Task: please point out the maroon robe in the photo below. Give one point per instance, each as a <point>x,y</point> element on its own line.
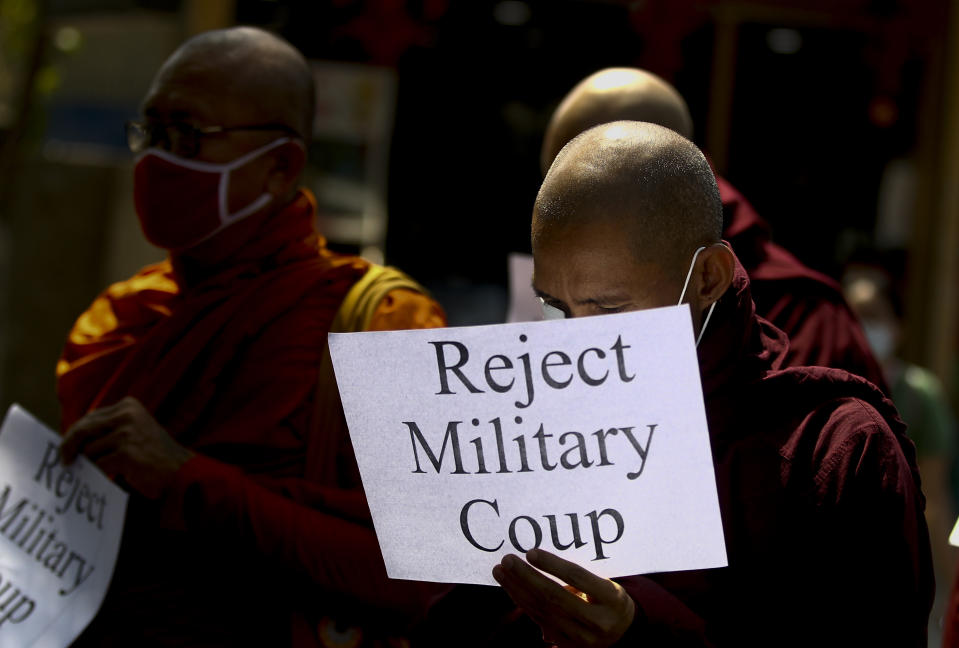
<point>807,305</point>
<point>821,505</point>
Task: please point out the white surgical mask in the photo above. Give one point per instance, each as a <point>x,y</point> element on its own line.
<point>682,295</point>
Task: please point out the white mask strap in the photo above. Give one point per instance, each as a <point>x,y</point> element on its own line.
<point>705,323</point>
<point>689,275</point>
<point>224,191</point>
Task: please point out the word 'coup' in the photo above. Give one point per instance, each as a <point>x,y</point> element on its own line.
<point>526,533</point>
<point>556,369</point>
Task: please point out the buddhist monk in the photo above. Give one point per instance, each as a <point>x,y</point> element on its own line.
<point>818,486</point>
<point>202,384</point>
<point>806,304</point>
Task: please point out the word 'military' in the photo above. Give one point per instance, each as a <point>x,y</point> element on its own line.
<point>546,451</point>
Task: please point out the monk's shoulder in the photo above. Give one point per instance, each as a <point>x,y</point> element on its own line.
<point>407,307</point>
<point>832,422</point>
<point>130,302</point>
<point>404,308</point>
<point>851,446</point>
<point>154,277</point>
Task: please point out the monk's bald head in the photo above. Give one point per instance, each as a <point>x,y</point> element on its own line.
<point>245,69</point>
<point>615,94</point>
<point>649,182</point>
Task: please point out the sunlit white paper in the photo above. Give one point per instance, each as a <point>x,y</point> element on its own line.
<point>449,512</point>
<point>60,529</point>
<point>524,305</point>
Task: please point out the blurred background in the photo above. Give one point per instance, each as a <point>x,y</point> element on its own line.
<point>838,119</point>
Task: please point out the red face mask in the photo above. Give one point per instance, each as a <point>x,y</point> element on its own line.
<point>182,202</point>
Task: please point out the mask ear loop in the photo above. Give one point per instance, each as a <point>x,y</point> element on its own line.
<point>682,296</point>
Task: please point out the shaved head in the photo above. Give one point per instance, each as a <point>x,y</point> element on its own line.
<point>253,70</point>
<point>615,94</point>
<point>650,183</point>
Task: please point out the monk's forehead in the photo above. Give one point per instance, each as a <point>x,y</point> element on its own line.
<point>217,86</point>
<point>610,229</point>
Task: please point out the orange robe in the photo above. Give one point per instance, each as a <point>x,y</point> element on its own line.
<point>244,547</point>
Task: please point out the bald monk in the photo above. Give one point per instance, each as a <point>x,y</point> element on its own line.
<point>806,304</point>
<point>817,482</point>
<point>201,386</point>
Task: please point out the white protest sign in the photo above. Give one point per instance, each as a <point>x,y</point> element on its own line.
<point>586,437</point>
<point>524,305</point>
<point>954,536</point>
<point>60,530</point>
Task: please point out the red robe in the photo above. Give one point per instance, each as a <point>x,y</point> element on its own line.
<point>807,305</point>
<point>228,366</point>
<point>821,505</point>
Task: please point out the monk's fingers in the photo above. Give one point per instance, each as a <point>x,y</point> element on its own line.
<point>534,592</point>
<point>609,611</point>
<point>110,442</point>
<point>557,626</point>
<point>564,617</point>
<point>598,589</point>
<point>82,433</point>
<point>95,424</point>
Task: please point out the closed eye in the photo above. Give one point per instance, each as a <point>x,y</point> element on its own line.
<point>611,309</point>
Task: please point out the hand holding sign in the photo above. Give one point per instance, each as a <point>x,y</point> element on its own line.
<point>124,440</point>
<point>597,619</point>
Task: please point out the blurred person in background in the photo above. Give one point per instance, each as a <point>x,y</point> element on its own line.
<point>807,305</point>
<point>920,398</point>
<point>203,384</point>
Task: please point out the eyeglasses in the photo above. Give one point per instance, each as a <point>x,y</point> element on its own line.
<point>184,139</point>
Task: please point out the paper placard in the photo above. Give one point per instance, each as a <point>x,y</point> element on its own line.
<point>60,529</point>
<point>524,305</point>
<point>586,437</point>
<point>954,536</point>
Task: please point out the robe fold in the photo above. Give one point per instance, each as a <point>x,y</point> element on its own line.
<point>228,364</point>
<point>807,305</point>
<point>821,505</point>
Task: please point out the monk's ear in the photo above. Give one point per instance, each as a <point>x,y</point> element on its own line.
<point>718,266</point>
<point>289,161</point>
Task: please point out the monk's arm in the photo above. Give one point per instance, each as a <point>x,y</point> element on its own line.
<point>311,538</point>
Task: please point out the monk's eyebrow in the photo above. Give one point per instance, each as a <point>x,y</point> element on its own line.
<point>599,300</point>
